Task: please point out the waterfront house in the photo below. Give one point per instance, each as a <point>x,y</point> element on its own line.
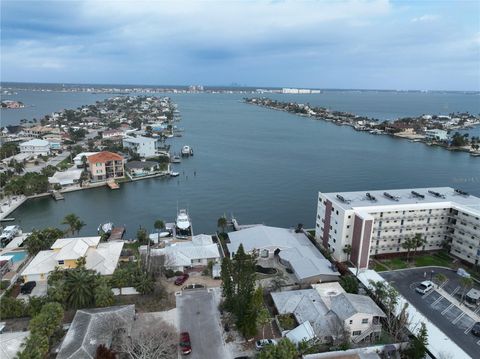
<point>332,312</point>
<point>187,254</point>
<point>77,160</point>
<point>35,147</point>
<point>94,327</point>
<point>293,250</point>
<point>112,133</point>
<point>67,178</point>
<point>436,135</point>
<point>37,131</point>
<point>146,147</point>
<point>106,166</point>
<point>143,168</point>
<point>64,253</point>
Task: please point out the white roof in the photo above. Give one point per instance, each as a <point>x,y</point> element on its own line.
<point>306,260</point>
<point>103,258</point>
<point>303,332</point>
<point>11,344</point>
<point>358,199</point>
<point>66,177</point>
<point>36,143</point>
<point>182,253</point>
<point>139,139</point>
<point>62,242</point>
<point>86,154</point>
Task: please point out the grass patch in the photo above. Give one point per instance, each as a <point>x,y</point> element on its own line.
<point>379,267</point>
<point>65,164</point>
<point>394,263</point>
<point>440,259</point>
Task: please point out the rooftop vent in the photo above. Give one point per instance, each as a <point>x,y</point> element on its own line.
<point>436,194</point>
<point>463,193</point>
<point>343,199</point>
<point>389,196</point>
<point>418,195</point>
<point>371,198</point>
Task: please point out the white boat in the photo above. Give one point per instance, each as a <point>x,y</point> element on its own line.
<point>174,174</point>
<point>176,159</point>
<point>183,225</point>
<point>105,228</point>
<point>187,151</point>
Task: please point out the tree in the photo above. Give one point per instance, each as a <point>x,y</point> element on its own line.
<point>263,318</point>
<point>158,225</point>
<point>409,244</point>
<point>285,349</point>
<point>222,223</point>
<point>73,222</point>
<point>465,283</point>
<point>349,283</point>
<point>159,340</point>
<point>142,236</point>
<point>103,293</point>
<point>104,353</point>
<point>418,242</point>
<point>42,240</point>
<point>347,250</point>
<point>440,278</point>
<point>80,284</point>
<point>418,347</point>
<point>144,283</point>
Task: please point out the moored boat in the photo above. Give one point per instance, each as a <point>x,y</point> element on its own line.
<point>187,151</point>
<point>183,225</point>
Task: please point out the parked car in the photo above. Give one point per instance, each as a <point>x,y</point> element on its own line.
<point>28,287</point>
<point>260,344</point>
<point>185,344</point>
<point>181,279</point>
<point>476,329</point>
<point>424,287</point>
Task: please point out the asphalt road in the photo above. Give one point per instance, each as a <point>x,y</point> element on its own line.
<point>439,310</point>
<point>199,315</point>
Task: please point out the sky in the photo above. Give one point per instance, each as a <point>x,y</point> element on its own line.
<point>351,44</point>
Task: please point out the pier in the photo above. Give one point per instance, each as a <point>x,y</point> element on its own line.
<point>57,195</point>
<point>113,185</point>
<point>117,233</point>
<point>238,227</point>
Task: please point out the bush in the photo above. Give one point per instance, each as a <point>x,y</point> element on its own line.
<point>350,284</point>
<point>13,308</point>
<point>4,284</point>
<point>178,273</point>
<point>169,273</point>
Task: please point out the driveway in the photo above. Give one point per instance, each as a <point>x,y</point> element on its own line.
<point>198,314</point>
<point>453,320</point>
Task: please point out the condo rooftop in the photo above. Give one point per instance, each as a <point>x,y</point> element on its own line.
<point>378,198</point>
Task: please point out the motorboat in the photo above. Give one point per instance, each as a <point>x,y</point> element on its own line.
<point>174,174</point>
<point>187,151</point>
<point>183,225</point>
<point>105,228</point>
<point>176,159</point>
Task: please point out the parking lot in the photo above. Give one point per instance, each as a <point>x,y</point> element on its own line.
<point>198,314</point>
<point>453,320</point>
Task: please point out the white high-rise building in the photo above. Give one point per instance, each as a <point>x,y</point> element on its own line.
<point>378,222</point>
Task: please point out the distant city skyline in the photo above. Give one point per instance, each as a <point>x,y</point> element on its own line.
<point>379,44</point>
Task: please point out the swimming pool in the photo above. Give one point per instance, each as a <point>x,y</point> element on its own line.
<point>17,255</point>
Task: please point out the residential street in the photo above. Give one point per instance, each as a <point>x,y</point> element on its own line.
<point>52,161</point>
<point>199,315</point>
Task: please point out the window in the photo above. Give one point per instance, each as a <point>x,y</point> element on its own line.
<point>365,321</point>
<point>61,262</point>
<point>351,321</point>
<point>356,332</point>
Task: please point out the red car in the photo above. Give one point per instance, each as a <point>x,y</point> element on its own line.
<point>185,344</point>
<point>182,279</point>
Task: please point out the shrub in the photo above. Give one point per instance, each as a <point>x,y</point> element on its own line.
<point>4,284</point>
<point>169,273</point>
<point>13,308</point>
<point>178,273</point>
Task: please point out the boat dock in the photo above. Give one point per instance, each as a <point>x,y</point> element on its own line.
<point>113,185</point>
<point>57,195</point>
<point>117,233</point>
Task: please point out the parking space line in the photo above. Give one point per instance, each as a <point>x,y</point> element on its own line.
<point>437,301</point>
<point>478,343</point>
<point>426,295</point>
<point>448,308</point>
<point>444,283</point>
<point>457,319</point>
<point>469,328</point>
<point>455,291</point>
<point>476,311</point>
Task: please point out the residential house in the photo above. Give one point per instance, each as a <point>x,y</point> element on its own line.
<point>106,166</point>
<point>36,131</point>
<point>67,178</point>
<point>94,327</point>
<point>332,312</point>
<point>188,254</point>
<point>293,250</point>
<point>143,168</point>
<point>146,147</point>
<point>64,253</point>
<point>78,159</point>
<point>35,147</point>
<point>436,135</point>
<point>112,133</point>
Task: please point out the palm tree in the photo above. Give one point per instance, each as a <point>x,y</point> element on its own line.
<point>144,284</point>
<point>418,242</point>
<point>465,283</point>
<point>79,224</point>
<point>347,250</point>
<point>72,221</point>
<point>222,223</point>
<point>80,287</point>
<point>158,226</point>
<point>408,244</point>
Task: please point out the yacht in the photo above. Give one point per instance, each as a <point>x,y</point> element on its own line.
<point>176,159</point>
<point>105,228</point>
<point>187,151</point>
<point>183,225</point>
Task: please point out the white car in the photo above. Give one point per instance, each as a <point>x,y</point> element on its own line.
<point>424,287</point>
<point>260,344</point>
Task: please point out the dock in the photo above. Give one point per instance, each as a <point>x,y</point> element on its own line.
<point>117,233</point>
<point>113,185</point>
<point>239,227</point>
<point>57,195</point>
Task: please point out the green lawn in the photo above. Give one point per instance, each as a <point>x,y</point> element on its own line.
<point>438,259</point>
<point>65,164</point>
<point>395,263</point>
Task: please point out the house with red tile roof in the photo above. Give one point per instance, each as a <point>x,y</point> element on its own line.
<point>106,166</point>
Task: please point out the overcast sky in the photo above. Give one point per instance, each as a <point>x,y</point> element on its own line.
<point>318,44</point>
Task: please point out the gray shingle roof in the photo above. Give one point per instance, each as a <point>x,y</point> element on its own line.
<point>346,304</point>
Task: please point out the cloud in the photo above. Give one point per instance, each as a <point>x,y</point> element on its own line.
<point>426,18</point>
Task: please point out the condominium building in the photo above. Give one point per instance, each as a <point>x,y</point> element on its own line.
<point>378,222</point>
<point>106,166</point>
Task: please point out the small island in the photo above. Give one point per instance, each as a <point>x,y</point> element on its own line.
<point>10,104</point>
<point>433,130</point>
